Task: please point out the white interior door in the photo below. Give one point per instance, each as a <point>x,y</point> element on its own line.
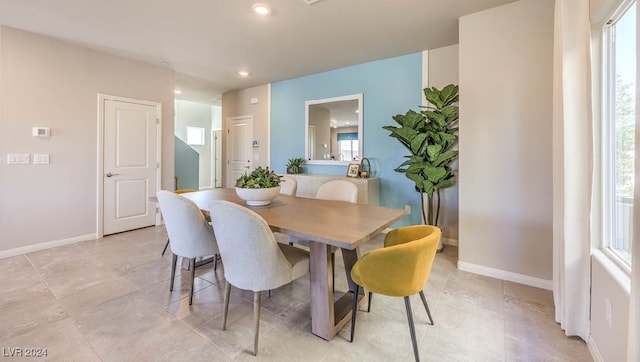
<point>239,151</point>
<point>130,164</point>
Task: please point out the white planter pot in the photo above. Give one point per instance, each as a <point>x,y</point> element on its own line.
<point>258,197</point>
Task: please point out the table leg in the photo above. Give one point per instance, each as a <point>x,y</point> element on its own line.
<point>322,309</point>
<point>328,315</point>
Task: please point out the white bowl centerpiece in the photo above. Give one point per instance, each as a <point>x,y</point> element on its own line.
<point>259,187</point>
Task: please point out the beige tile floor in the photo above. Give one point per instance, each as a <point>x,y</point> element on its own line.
<point>109,300</point>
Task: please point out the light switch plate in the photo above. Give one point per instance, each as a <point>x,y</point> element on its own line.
<point>18,159</point>
<point>40,158</point>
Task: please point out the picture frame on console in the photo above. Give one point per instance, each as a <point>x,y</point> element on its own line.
<point>353,170</point>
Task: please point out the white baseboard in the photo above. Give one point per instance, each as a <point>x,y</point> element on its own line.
<point>505,275</point>
<point>449,241</point>
<point>44,245</point>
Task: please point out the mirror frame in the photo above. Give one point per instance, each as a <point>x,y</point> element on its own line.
<point>311,102</point>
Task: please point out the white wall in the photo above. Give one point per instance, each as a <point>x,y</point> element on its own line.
<point>238,103</point>
<point>610,286</point>
<point>45,82</point>
<point>505,180</point>
<point>216,117</point>
<point>193,114</point>
<point>442,69</point>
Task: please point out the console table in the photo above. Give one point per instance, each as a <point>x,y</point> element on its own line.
<point>368,188</point>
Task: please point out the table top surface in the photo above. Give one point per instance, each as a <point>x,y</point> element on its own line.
<point>336,223</point>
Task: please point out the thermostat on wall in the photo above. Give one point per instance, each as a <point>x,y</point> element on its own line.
<point>43,132</point>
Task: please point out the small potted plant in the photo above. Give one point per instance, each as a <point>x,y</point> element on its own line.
<point>259,187</point>
<point>295,165</point>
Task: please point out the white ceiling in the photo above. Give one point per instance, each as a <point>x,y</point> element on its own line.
<point>207,41</point>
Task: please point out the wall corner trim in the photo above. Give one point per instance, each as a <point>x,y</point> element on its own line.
<point>593,349</point>
<point>505,275</point>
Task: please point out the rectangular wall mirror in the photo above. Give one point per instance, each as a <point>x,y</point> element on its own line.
<point>333,130</point>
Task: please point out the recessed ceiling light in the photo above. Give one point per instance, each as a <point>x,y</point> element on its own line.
<point>262,9</point>
<point>243,73</point>
<point>177,91</point>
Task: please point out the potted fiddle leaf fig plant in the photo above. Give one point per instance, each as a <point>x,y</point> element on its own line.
<point>294,165</point>
<point>430,136</point>
<point>259,187</point>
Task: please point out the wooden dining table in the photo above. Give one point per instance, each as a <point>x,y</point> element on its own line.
<point>324,224</point>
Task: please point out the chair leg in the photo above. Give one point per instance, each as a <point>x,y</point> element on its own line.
<point>215,262</point>
<point>354,311</point>
<point>192,265</point>
<point>412,329</point>
<point>225,309</point>
<point>165,247</point>
<point>256,320</point>
<point>369,302</point>
<point>426,306</point>
<point>173,271</point>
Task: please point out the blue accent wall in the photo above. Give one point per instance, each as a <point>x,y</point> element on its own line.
<point>187,165</point>
<point>389,87</point>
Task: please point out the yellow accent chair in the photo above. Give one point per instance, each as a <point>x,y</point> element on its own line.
<point>400,269</point>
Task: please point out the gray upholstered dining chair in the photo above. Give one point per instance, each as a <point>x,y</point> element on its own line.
<point>190,233</point>
<point>288,186</point>
<point>252,258</point>
<point>181,191</point>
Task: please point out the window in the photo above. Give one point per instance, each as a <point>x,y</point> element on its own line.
<point>619,131</point>
<point>348,146</point>
<point>195,136</point>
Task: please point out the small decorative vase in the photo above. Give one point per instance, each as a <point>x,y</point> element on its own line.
<point>258,197</point>
<point>293,170</point>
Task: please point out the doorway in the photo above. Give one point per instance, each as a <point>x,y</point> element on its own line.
<point>239,150</point>
<point>129,144</point>
<point>195,140</point>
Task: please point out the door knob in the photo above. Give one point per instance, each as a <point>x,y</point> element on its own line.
<point>109,174</point>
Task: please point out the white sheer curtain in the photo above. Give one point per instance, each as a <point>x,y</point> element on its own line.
<point>572,165</point>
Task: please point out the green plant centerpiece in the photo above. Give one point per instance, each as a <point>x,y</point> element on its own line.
<point>295,165</point>
<point>430,136</point>
<point>259,187</point>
